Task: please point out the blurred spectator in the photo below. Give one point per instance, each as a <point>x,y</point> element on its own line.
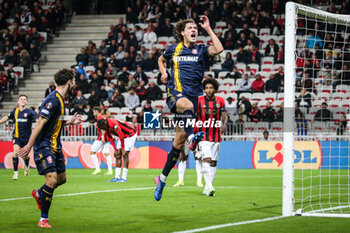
<point>11,58</point>
<point>123,76</point>
<point>245,85</point>
<point>133,41</point>
<point>150,63</point>
<point>279,113</point>
<point>117,99</point>
<point>249,45</point>
<point>82,57</point>
<point>254,56</point>
<point>258,84</point>
<point>140,91</point>
<point>229,41</point>
<point>266,136</point>
<point>144,53</point>
<point>79,109</point>
<point>100,58</point>
<point>126,62</point>
<point>79,99</point>
<point>323,114</point>
<point>138,34</point>
<point>235,74</point>
<point>100,70</point>
<point>90,47</point>
<point>244,106</point>
<point>119,54</point>
<point>304,99</point>
<point>231,107</point>
<point>138,61</point>
<point>131,82</point>
<point>149,37</point>
<point>96,82</point>
<point>103,49</point>
<point>242,56</point>
<point>93,57</point>
<point>313,39</point>
<point>341,125</point>
<point>12,77</point>
<point>121,86</point>
<point>167,29</point>
<point>154,92</point>
<point>132,100</point>
<point>255,114</point>
<point>81,70</point>
<point>112,34</point>
<point>83,84</point>
<point>272,84</point>
<point>111,72</point>
<point>271,49</point>
<point>255,40</point>
<point>239,125</point>
<point>25,60</point>
<point>131,16</point>
<point>103,94</point>
<point>50,89</point>
<point>93,99</point>
<point>280,56</point>
<point>228,64</point>
<point>136,125</point>
<point>268,113</point>
<point>241,41</point>
<point>140,76</point>
<point>112,48</point>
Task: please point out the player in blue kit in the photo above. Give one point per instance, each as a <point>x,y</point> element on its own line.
<point>45,138</point>
<point>184,86</point>
<point>22,118</point>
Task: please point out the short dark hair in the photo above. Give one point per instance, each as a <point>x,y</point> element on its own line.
<point>102,124</point>
<point>96,109</point>
<point>23,95</point>
<point>63,76</point>
<point>211,81</point>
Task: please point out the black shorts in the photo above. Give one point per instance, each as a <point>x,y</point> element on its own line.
<point>21,142</point>
<point>174,96</point>
<point>46,161</point>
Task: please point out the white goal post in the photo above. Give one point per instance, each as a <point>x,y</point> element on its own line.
<point>314,190</point>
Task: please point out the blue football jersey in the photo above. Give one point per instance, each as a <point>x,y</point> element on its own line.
<point>187,68</point>
<point>52,108</point>
<point>23,122</point>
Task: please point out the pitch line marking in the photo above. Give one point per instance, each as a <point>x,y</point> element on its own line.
<point>82,193</point>
<point>230,224</point>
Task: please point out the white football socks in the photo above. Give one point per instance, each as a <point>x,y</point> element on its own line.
<point>162,178</point>
<point>117,172</point>
<point>199,170</point>
<point>206,174</point>
<point>109,162</point>
<point>95,161</point>
<point>125,173</point>
<point>181,170</point>
<point>212,173</point>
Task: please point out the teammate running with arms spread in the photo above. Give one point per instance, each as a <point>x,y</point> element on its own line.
<point>45,138</point>
<point>184,86</point>
<point>127,137</point>
<point>22,118</point>
<point>210,108</point>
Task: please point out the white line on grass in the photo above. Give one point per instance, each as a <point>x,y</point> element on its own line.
<point>229,225</point>
<point>82,193</point>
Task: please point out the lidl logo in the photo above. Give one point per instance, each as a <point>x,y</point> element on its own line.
<point>151,120</point>
<point>269,155</point>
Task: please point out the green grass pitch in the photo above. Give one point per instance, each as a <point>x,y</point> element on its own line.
<point>242,195</point>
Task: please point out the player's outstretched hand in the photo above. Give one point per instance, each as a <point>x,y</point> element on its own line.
<point>205,24</point>
<point>23,153</point>
<point>223,129</point>
<point>164,78</point>
<point>76,119</point>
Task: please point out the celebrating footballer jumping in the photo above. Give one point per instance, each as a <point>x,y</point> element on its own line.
<point>184,86</point>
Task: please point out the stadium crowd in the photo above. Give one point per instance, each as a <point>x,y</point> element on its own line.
<point>25,26</point>
<point>122,71</point>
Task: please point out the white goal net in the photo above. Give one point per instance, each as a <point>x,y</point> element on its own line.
<point>316,138</point>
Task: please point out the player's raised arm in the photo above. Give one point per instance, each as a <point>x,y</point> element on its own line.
<point>37,129</point>
<point>224,122</point>
<point>162,69</point>
<point>4,119</point>
<point>217,47</point>
<point>75,120</point>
